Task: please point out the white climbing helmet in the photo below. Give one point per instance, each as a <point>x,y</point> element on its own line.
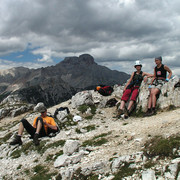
<point>138,63</point>
<point>77,118</point>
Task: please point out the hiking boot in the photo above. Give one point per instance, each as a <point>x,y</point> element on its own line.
<point>148,113</point>
<point>36,140</point>
<point>119,113</point>
<point>16,140</point>
<point>153,112</point>
<point>126,114</point>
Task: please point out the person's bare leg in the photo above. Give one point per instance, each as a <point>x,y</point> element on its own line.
<point>122,105</point>
<point>21,129</point>
<point>154,99</point>
<point>39,126</point>
<point>130,105</point>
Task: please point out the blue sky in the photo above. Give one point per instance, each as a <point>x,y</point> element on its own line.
<point>41,33</point>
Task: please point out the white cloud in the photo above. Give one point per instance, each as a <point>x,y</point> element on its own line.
<point>112,31</point>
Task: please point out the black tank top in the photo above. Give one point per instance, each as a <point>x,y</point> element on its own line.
<point>160,72</point>
<point>137,78</point>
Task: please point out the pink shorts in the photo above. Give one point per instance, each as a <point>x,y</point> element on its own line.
<point>127,93</point>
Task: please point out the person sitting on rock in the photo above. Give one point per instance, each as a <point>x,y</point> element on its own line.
<point>42,126</point>
<point>160,73</point>
<point>132,89</point>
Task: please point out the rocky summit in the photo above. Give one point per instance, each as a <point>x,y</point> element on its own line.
<point>58,83</point>
<point>94,144</point>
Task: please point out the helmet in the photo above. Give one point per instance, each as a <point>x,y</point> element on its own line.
<point>98,88</point>
<point>138,63</point>
<point>77,118</point>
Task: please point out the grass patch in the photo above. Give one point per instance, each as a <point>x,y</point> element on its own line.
<point>52,157</point>
<point>28,147</point>
<point>68,123</point>
<point>90,128</point>
<point>78,176</point>
<point>136,113</point>
<point>124,172</point>
<point>159,146</point>
<point>55,144</point>
<point>42,173</point>
<point>171,107</point>
<point>97,140</point>
<point>149,164</point>
<point>5,138</point>
<point>19,167</point>
<point>87,128</point>
<point>83,108</point>
<point>77,130</point>
<point>89,117</point>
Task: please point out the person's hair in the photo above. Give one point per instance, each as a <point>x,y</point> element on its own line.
<point>159,58</point>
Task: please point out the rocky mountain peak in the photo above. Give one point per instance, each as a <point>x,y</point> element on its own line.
<point>86,58</point>
<point>82,59</point>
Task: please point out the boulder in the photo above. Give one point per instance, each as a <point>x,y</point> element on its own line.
<point>70,147</point>
<point>84,97</point>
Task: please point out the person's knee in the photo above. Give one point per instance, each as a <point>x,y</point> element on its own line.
<point>23,120</point>
<point>39,119</point>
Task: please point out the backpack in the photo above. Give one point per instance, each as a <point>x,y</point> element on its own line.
<point>111,102</point>
<point>106,90</point>
<point>61,109</point>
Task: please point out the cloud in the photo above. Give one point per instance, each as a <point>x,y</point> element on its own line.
<point>112,31</point>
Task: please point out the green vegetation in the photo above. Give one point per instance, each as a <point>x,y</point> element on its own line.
<point>28,147</point>
<point>55,144</point>
<point>149,164</point>
<point>90,127</point>
<point>138,113</point>
<point>52,157</point>
<point>97,140</point>
<point>78,176</point>
<point>159,146</point>
<point>19,167</point>
<point>68,123</point>
<point>42,173</point>
<point>83,108</point>
<point>124,172</point>
<point>171,107</point>
<point>5,138</point>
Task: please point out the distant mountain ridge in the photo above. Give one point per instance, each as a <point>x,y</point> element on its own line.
<point>58,83</point>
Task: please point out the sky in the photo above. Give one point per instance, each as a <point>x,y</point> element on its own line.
<point>40,33</point>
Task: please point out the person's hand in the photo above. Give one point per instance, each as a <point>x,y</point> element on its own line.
<point>45,122</point>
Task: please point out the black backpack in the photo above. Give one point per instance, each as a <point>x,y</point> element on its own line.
<point>111,102</point>
<point>61,109</point>
<point>106,90</point>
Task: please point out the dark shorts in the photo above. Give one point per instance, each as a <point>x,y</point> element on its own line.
<point>133,90</point>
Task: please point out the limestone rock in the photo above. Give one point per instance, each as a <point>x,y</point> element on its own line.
<point>70,147</point>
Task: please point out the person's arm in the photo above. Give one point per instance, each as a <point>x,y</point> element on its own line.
<point>129,81</point>
<point>147,74</point>
<point>169,71</point>
<point>50,126</point>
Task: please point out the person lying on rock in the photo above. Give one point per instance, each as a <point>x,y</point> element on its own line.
<point>42,126</point>
<point>160,73</point>
<point>132,89</point>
